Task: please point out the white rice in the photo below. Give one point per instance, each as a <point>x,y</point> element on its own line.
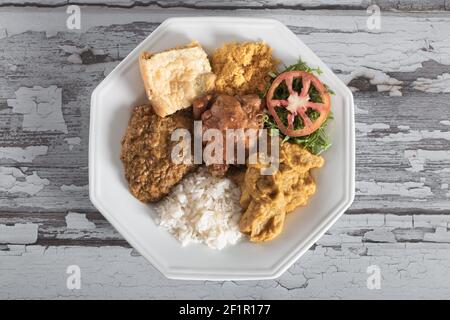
<point>202,209</point>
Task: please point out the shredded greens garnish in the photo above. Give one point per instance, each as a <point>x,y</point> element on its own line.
<point>318,141</point>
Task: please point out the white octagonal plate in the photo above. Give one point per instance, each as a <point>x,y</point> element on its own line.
<point>111,105</point>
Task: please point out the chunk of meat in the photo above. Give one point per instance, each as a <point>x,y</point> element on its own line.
<point>251,104</point>
<point>146,153</point>
<point>201,104</point>
<point>223,112</point>
<point>267,198</point>
<point>226,112</point>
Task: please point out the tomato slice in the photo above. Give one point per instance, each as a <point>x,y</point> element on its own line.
<point>297,104</point>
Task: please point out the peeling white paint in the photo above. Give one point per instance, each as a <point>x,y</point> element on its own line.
<point>441,234</point>
<point>12,67</point>
<point>74,58</point>
<point>50,33</point>
<point>430,221</point>
<point>365,128</point>
<point>379,235</point>
<point>41,108</point>
<point>406,189</point>
<point>371,48</point>
<point>75,141</point>
<point>109,66</point>
<point>444,170</point>
<point>19,233</point>
<point>27,154</point>
<point>12,180</point>
<point>415,135</point>
<point>73,187</point>
<point>114,273</point>
<point>358,228</point>
<point>359,110</point>
<point>78,221</point>
<point>439,85</point>
<point>106,67</point>
<point>73,49</point>
<point>98,52</point>
<point>418,158</point>
<point>3,33</point>
<point>334,268</point>
<point>445,122</point>
<point>379,78</point>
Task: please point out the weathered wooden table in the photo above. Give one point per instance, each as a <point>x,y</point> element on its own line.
<point>398,222</point>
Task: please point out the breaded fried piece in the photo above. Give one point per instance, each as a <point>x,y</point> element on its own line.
<point>146,151</point>
<point>266,199</point>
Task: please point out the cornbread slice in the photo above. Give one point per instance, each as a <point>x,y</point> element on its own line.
<point>174,78</point>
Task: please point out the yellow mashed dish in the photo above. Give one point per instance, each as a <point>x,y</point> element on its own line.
<point>242,68</point>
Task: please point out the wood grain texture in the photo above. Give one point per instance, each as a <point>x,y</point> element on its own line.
<point>336,268</point>
<point>400,216</point>
<point>410,5</point>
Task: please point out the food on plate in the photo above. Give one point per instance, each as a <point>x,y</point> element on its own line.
<point>174,78</point>
<point>291,121</point>
<point>267,198</point>
<point>237,174</point>
<point>220,202</point>
<point>303,115</point>
<point>243,68</point>
<point>202,209</point>
<point>146,150</point>
<point>223,112</point>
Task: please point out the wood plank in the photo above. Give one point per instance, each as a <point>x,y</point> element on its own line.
<point>408,270</point>
<point>416,5</point>
<point>62,228</point>
<point>412,253</point>
<point>74,228</point>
